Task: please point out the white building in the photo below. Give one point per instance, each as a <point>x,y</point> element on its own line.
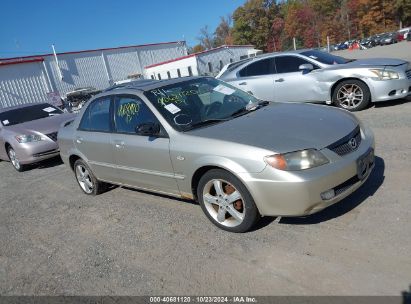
<point>208,62</point>
<point>37,78</point>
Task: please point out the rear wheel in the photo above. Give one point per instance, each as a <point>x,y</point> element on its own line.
<point>86,180</point>
<point>226,201</point>
<point>14,160</point>
<point>352,95</point>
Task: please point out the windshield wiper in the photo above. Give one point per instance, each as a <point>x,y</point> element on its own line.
<point>205,123</point>
<point>250,107</point>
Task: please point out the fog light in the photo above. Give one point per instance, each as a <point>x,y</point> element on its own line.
<point>327,195</point>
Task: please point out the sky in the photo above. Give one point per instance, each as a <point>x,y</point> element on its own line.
<point>30,27</point>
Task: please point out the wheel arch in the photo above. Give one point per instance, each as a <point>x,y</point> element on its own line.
<point>72,159</point>
<point>195,179</point>
<point>203,170</point>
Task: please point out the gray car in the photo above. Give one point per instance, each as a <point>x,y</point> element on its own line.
<point>28,133</point>
<point>315,76</point>
<point>203,139</point>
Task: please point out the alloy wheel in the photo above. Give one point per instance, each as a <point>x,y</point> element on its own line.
<point>224,203</point>
<point>84,179</point>
<point>14,160</point>
<point>350,96</point>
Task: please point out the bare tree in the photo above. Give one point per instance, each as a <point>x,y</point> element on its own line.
<point>223,31</point>
<point>206,38</point>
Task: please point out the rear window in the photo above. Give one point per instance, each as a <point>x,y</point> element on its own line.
<point>29,113</point>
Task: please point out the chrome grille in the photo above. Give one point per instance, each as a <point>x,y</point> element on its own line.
<point>52,136</point>
<point>343,147</point>
<point>408,74</point>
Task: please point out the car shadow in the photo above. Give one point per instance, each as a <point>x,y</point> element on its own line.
<point>44,164</point>
<point>390,103</point>
<point>346,205</point>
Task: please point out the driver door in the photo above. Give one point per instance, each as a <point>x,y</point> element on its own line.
<point>294,85</point>
<point>141,161</point>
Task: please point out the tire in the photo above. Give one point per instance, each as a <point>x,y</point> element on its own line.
<point>14,160</point>
<point>226,201</point>
<point>352,95</point>
<point>86,180</point>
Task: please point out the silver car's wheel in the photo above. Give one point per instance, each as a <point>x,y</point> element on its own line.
<point>14,159</point>
<point>84,179</point>
<point>226,201</point>
<point>352,95</point>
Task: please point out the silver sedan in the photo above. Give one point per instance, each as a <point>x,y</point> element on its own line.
<point>315,76</point>
<point>203,139</point>
<point>28,133</point>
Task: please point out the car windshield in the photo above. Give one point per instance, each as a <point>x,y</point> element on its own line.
<point>325,58</point>
<point>199,102</point>
<point>29,113</point>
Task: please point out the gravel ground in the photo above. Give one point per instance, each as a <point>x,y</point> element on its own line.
<point>54,240</point>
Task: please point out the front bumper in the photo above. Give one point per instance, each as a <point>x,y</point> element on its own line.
<point>29,153</point>
<point>298,193</point>
<point>384,90</point>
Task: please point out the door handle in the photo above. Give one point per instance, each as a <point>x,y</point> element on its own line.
<point>79,140</point>
<point>279,80</point>
<point>242,83</point>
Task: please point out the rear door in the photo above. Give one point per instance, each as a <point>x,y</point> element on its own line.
<point>257,78</point>
<point>292,84</point>
<point>141,161</point>
<point>93,138</point>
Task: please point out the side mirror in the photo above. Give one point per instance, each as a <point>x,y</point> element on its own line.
<point>306,67</point>
<point>148,129</point>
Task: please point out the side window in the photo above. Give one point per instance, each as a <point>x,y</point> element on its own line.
<point>260,67</point>
<point>131,111</point>
<point>97,116</point>
<point>288,64</point>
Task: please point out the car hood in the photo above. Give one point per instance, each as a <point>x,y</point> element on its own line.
<point>45,125</point>
<point>284,127</point>
<point>374,62</point>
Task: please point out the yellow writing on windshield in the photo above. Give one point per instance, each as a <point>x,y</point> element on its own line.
<point>128,111</point>
<point>176,98</point>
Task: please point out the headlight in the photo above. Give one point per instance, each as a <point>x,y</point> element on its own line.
<point>386,74</point>
<point>295,161</point>
<point>28,138</point>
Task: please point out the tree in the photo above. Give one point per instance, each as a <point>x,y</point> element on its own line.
<point>222,33</point>
<point>252,23</point>
<point>196,49</point>
<point>206,38</point>
<point>403,12</point>
<point>377,16</point>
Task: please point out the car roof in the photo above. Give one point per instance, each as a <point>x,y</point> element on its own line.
<point>2,110</point>
<point>149,84</point>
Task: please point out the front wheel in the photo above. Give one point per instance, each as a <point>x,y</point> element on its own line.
<point>352,95</point>
<point>226,201</point>
<point>14,160</point>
